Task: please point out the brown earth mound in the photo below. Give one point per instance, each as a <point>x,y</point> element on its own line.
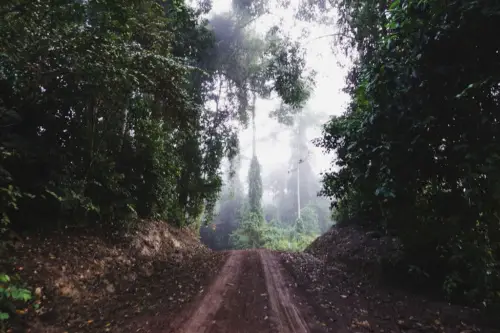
<point>353,246</point>
<point>85,283</point>
<point>339,274</point>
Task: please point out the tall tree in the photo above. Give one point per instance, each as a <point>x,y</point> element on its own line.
<point>228,213</point>
<point>107,108</point>
<point>415,145</point>
<point>303,185</point>
<point>108,95</point>
<point>276,181</point>
<point>255,186</point>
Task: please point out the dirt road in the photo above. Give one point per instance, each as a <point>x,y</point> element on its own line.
<point>252,294</point>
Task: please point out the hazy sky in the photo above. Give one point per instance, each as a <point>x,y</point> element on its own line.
<point>327,96</point>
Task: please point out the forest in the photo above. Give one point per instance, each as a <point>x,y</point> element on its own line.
<point>113,112</point>
<point>281,208</point>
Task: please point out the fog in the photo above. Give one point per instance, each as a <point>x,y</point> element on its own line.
<point>290,215</point>
<point>273,139</point>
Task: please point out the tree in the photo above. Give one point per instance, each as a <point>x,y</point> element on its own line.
<point>414,147</point>
<point>255,186</point>
<point>250,233</point>
<point>112,101</point>
<point>302,185</point>
<point>227,215</point>
<point>251,230</point>
<point>276,183</point>
<point>310,221</point>
<point>96,93</point>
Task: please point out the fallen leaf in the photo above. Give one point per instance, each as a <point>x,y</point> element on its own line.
<point>364,323</point>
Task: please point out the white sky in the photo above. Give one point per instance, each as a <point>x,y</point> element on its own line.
<point>326,98</point>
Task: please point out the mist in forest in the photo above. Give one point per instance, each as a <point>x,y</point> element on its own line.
<point>133,118</point>
<point>270,193</point>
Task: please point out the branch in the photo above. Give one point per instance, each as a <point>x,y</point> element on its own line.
<point>302,160</point>
<point>325,36</point>
<point>244,25</point>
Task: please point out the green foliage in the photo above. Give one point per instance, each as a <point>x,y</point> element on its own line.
<point>286,238</point>
<point>255,186</point>
<point>11,295</point>
<point>251,232</point>
<point>286,65</point>
<point>416,147</point>
<point>105,108</point>
<point>309,221</point>
<point>277,238</point>
<point>248,65</point>
<point>227,215</point>
<point>116,111</point>
<point>87,81</point>
<point>102,113</point>
<point>9,194</point>
<point>255,232</point>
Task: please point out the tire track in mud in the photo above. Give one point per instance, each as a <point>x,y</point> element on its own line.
<point>288,317</point>
<point>199,317</point>
<point>250,295</point>
<point>245,308</point>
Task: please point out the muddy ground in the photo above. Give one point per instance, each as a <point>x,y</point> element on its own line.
<point>162,280</point>
<point>252,293</point>
<point>87,283</point>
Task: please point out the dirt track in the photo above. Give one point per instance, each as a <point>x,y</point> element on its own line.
<point>251,294</point>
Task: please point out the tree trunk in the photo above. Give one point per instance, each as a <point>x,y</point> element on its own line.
<point>254,130</point>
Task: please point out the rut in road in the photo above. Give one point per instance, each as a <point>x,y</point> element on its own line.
<point>289,318</point>
<point>250,295</point>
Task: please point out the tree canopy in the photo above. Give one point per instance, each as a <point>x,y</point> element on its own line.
<point>416,149</point>
<point>107,108</point>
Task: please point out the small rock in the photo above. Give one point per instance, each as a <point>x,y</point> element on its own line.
<point>110,288</point>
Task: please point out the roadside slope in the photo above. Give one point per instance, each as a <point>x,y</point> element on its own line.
<point>340,273</point>
<point>86,283</point>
